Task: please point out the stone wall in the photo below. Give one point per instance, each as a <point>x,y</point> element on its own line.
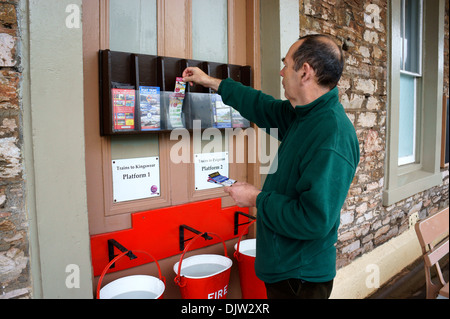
<point>14,267</point>
<point>361,28</point>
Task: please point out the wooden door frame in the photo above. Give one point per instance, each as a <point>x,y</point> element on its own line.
<point>96,37</point>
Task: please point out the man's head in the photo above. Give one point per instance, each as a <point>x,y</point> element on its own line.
<point>324,56</point>
<point>314,60</point>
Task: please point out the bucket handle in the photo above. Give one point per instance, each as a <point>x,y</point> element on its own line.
<point>177,279</point>
<point>236,253</point>
<point>163,279</point>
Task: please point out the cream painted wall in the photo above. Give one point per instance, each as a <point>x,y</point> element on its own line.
<point>52,99</point>
<point>359,279</point>
<point>279,30</point>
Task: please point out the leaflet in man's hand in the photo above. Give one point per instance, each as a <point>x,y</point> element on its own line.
<point>216,178</point>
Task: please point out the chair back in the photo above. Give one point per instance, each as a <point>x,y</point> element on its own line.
<point>432,233</point>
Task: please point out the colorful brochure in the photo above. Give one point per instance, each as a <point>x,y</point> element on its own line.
<point>150,107</point>
<point>216,178</point>
<point>238,120</point>
<point>176,104</point>
<point>124,101</point>
<point>222,112</point>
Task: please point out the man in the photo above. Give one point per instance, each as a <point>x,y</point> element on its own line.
<point>298,209</point>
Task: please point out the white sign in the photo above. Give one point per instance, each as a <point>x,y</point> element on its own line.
<point>206,164</point>
<point>135,178</point>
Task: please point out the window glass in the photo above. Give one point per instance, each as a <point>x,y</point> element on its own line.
<point>407,125</point>
<point>210,30</point>
<point>210,43</point>
<point>411,36</point>
<point>133,26</point>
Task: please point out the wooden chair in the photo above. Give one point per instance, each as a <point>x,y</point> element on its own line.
<point>430,230</point>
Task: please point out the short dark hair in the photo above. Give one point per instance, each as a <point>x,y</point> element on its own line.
<point>323,55</point>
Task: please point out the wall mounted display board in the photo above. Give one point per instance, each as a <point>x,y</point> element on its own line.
<point>138,94</point>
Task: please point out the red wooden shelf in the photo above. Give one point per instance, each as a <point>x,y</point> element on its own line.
<point>157,232</point>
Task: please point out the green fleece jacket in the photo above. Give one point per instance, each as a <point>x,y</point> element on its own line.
<point>298,210</point>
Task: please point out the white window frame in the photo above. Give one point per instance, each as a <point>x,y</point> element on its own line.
<point>401,182</point>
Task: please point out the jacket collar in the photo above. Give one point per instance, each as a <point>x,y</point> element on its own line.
<point>331,96</point>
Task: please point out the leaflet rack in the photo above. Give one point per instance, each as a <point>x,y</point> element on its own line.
<point>128,72</point>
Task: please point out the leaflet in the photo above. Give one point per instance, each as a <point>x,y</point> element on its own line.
<point>180,87</point>
<point>176,104</point>
<point>222,112</point>
<point>124,101</point>
<point>216,178</point>
<point>238,120</point>
<point>150,107</point>
<point>226,116</point>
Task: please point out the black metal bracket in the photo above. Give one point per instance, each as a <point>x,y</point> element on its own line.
<point>236,221</point>
<point>113,243</point>
<point>195,231</point>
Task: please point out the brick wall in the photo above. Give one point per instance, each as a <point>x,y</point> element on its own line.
<point>361,28</point>
<point>14,267</point>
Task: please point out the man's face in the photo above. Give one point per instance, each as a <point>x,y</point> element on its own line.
<point>291,78</point>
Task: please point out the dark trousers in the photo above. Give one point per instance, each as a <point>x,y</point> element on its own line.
<point>299,289</point>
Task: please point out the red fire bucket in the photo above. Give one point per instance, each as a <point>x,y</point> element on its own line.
<point>132,287</point>
<point>251,286</point>
<point>203,276</point>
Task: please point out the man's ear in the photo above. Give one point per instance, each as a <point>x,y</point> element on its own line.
<point>306,72</point>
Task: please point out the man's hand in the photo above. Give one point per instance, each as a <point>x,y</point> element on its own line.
<point>243,194</point>
<point>197,76</point>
